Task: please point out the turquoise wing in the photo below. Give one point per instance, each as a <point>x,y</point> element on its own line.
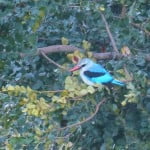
<point>98,74</point>
<point>107,78</point>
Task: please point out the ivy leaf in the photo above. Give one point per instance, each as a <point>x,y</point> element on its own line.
<point>37,85</point>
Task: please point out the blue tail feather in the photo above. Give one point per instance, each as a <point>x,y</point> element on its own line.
<point>117,82</point>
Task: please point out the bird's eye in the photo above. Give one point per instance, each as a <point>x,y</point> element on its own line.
<point>83,65</point>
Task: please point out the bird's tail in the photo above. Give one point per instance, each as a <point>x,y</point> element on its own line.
<point>117,82</point>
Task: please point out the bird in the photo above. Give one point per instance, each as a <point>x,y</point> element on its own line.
<point>93,73</point>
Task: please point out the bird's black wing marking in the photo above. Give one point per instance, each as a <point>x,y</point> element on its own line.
<point>93,74</point>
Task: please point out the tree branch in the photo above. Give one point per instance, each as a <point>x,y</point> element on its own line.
<point>147,57</point>
<point>53,62</point>
<point>87,119</point>
<point>56,91</point>
<point>69,48</point>
<point>107,55</point>
<point>58,48</point>
<point>109,33</point>
<point>139,26</point>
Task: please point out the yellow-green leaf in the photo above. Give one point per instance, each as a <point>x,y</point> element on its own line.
<point>102,8</point>
<point>86,45</point>
<point>83,92</point>
<point>123,103</point>
<point>91,89</point>
<point>64,41</point>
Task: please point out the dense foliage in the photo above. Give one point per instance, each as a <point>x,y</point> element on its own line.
<point>37,99</point>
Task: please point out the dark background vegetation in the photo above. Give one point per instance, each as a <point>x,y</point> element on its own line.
<point>33,119</point>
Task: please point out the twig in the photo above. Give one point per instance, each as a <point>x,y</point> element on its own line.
<point>147,58</point>
<point>57,91</point>
<point>126,81</point>
<point>107,55</point>
<point>64,137</point>
<point>123,11</point>
<point>141,28</point>
<point>75,99</point>
<point>87,119</point>
<point>109,33</point>
<point>53,62</point>
<point>129,75</point>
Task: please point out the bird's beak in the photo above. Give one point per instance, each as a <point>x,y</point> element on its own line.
<point>74,68</point>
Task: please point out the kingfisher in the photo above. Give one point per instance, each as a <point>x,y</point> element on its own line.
<point>93,73</point>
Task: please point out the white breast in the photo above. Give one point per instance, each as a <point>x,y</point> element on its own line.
<point>84,78</point>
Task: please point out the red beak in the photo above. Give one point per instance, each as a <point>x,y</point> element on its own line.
<point>74,68</point>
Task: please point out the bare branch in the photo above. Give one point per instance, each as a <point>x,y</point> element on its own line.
<point>53,62</point>
<point>70,48</point>
<point>87,119</point>
<point>109,33</point>
<point>147,58</point>
<point>123,11</point>
<point>107,55</point>
<point>139,26</point>
<point>64,137</point>
<point>56,91</point>
<point>58,48</point>
<point>129,75</point>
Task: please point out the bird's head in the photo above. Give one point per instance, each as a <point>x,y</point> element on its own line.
<point>83,63</point>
